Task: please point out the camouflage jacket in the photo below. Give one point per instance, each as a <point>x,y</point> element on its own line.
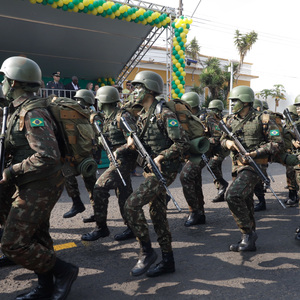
<point>31,143</point>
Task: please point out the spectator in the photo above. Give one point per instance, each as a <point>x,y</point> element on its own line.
<point>72,86</point>
<point>90,86</point>
<point>96,88</point>
<point>127,91</point>
<point>55,85</point>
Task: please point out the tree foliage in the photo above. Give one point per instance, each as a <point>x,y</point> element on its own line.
<point>243,43</point>
<point>277,93</point>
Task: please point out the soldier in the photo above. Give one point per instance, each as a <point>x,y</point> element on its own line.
<point>261,141</point>
<point>108,98</point>
<point>289,139</point>
<point>35,169</point>
<point>265,105</point>
<point>218,153</point>
<point>86,99</point>
<point>162,134</point>
<point>191,175</point>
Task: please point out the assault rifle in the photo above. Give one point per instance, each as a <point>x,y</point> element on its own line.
<point>288,116</point>
<point>2,140</point>
<point>252,163</point>
<point>206,160</point>
<point>108,151</point>
<point>144,154</point>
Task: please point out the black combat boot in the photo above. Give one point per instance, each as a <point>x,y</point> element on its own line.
<point>297,236</point>
<point>100,231</point>
<point>64,274</point>
<point>293,198</point>
<point>90,219</point>
<point>261,205</point>
<point>246,244</point>
<point>125,235</point>
<point>194,218</point>
<point>167,265</point>
<point>146,258</point>
<point>77,207</point>
<point>221,191</point>
<point>5,261</point>
<point>44,289</point>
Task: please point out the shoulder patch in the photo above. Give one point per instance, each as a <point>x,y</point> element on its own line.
<point>217,127</point>
<point>274,132</point>
<point>172,123</point>
<point>37,122</point>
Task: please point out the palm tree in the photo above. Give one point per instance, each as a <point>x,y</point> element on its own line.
<point>278,94</point>
<point>193,49</point>
<point>243,43</point>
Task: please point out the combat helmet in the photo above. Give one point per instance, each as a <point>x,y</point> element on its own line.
<point>1,93</point>
<point>22,69</point>
<point>242,93</point>
<point>107,94</point>
<point>217,104</point>
<point>265,105</point>
<point>192,98</point>
<point>297,100</point>
<point>85,97</point>
<point>151,80</point>
<point>258,104</point>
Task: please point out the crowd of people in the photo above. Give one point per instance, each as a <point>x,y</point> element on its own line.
<point>140,128</point>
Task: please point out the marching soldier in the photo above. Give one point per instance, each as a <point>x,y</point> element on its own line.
<point>86,99</point>
<point>108,99</point>
<point>166,141</point>
<point>261,140</point>
<point>35,170</point>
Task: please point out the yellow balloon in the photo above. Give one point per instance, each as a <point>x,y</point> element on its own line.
<point>64,1</point>
<point>177,82</point>
<point>173,74</point>
<point>182,91</point>
<point>178,65</point>
<point>99,9</point>
<point>164,22</point>
<point>174,61</point>
<point>39,1</point>
<point>175,78</point>
<point>180,52</point>
<point>133,16</point>
<point>183,40</point>
<point>80,6</point>
<point>177,48</point>
<point>122,9</point>
<point>183,73</point>
<point>54,5</point>
<point>60,3</point>
<point>149,19</point>
<point>190,21</point>
<point>180,69</point>
<point>137,13</point>
<point>105,6</point>
<point>75,9</point>
<point>112,16</point>
<point>168,19</point>
<point>102,84</point>
<point>180,86</point>
<point>182,35</point>
<point>128,19</point>
<point>186,31</point>
<point>177,24</point>
<point>86,2</point>
<point>110,3</point>
<point>32,1</point>
<point>144,22</point>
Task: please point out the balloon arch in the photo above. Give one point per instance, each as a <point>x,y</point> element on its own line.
<point>121,11</point>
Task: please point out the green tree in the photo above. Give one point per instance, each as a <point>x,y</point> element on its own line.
<point>243,43</point>
<point>193,49</point>
<point>216,79</point>
<point>277,92</point>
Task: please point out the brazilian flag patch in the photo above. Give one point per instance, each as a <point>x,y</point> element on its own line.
<point>274,132</point>
<point>37,122</point>
<point>172,123</point>
<point>217,127</point>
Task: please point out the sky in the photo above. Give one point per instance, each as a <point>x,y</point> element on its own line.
<point>275,54</point>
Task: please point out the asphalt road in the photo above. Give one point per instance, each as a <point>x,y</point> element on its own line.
<point>205,268</point>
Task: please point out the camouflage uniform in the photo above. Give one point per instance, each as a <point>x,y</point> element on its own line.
<point>163,136</point>
<point>266,140</point>
<point>35,165</point>
<point>110,179</point>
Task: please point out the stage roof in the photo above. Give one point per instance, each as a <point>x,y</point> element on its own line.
<point>78,44</point>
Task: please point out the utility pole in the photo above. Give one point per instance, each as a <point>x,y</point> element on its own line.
<point>180,9</point>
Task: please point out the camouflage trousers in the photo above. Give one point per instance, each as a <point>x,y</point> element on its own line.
<point>6,193</point>
<point>215,164</point>
<point>26,239</point>
<point>239,197</point>
<point>72,188</point>
<point>291,179</point>
<point>152,192</point>
<point>110,180</point>
<point>191,181</point>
